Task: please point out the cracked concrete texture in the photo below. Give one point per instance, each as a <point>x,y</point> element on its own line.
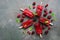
<point>9,28</point>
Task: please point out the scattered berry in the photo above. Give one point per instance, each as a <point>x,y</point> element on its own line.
<point>46,5</point>
<point>18,15</point>
<point>46,32</point>
<point>34,3</point>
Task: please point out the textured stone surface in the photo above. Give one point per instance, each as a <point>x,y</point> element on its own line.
<point>9,28</point>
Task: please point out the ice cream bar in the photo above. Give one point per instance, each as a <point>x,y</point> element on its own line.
<point>26,24</point>
<point>28,13</point>
<point>38,29</point>
<point>39,10</point>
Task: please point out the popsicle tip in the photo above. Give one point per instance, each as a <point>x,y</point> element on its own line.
<point>21,9</point>
<point>41,2</point>
<point>20,27</point>
<point>51,24</point>
<point>41,35</point>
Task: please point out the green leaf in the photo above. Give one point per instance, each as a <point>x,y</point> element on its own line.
<point>30,7</point>
<point>53,14</point>
<point>17,20</point>
<point>30,28</point>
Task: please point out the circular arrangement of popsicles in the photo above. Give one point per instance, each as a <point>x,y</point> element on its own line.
<point>41,19</point>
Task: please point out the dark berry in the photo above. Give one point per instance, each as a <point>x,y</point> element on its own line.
<point>49,17</point>
<point>21,19</point>
<point>18,15</point>
<point>50,11</point>
<point>52,20</point>
<point>46,32</point>
<point>46,5</point>
<point>33,7</point>
<point>34,3</point>
<point>44,15</point>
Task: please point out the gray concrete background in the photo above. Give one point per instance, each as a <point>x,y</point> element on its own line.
<point>9,28</point>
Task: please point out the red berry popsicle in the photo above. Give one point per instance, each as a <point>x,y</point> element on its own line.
<point>27,12</point>
<point>38,29</point>
<point>39,10</point>
<point>45,21</point>
<point>26,24</point>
